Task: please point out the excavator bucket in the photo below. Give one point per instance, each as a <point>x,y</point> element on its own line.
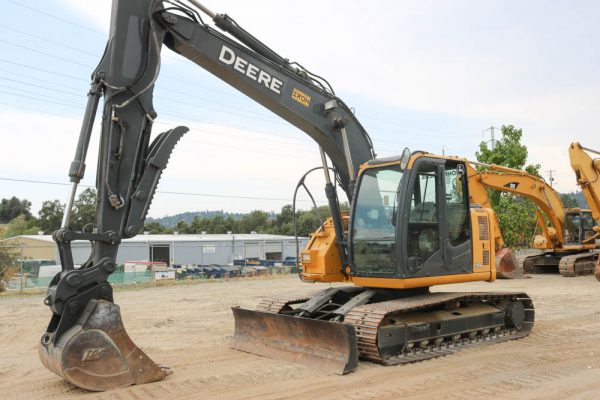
<point>507,266</point>
<point>328,346</point>
<point>97,354</point>
<point>597,268</point>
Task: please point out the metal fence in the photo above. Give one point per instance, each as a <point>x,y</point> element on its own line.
<point>34,266</point>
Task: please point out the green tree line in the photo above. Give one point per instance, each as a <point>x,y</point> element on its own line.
<point>22,222</point>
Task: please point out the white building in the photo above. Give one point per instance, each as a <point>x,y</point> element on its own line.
<point>199,249</point>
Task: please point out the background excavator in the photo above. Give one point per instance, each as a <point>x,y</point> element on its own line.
<point>568,243</point>
<point>587,173</point>
<point>411,224</point>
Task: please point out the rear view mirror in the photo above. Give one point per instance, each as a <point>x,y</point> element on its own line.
<point>405,158</point>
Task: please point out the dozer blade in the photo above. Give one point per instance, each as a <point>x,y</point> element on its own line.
<point>507,266</point>
<point>329,346</point>
<point>97,354</point>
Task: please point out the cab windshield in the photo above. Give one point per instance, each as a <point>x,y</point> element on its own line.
<point>373,227</point>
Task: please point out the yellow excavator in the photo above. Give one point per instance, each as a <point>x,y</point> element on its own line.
<point>411,224</point>
<point>568,239</point>
<point>587,173</point>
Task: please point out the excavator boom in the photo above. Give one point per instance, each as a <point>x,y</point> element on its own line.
<point>587,172</point>
<point>87,345</point>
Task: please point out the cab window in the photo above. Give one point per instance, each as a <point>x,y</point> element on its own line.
<point>423,227</point>
<point>374,228</point>
<point>457,207</point>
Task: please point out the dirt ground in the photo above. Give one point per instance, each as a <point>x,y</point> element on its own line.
<point>188,327</point>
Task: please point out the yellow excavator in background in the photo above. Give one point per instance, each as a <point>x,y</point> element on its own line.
<point>568,236</point>
<point>587,172</point>
<point>411,223</point>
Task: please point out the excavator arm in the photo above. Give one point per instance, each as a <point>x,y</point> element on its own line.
<point>85,341</point>
<point>519,182</point>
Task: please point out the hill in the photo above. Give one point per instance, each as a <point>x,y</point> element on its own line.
<point>171,220</point>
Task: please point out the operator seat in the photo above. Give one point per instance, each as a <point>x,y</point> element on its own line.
<point>424,212</point>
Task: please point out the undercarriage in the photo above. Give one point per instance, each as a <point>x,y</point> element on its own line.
<point>567,264</point>
<point>336,327</point>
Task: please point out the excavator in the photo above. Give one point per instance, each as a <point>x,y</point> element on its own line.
<point>568,239</point>
<point>411,224</point>
<point>587,171</point>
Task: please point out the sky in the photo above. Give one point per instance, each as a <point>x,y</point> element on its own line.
<point>427,75</point>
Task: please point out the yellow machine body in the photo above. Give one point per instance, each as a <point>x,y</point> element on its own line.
<point>320,260</point>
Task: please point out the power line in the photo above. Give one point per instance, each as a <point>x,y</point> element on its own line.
<point>42,100</point>
<point>165,112</point>
<point>38,80</point>
<point>53,114</point>
<point>170,113</point>
<point>202,129</point>
<point>40,87</point>
<point>187,82</point>
<point>37,10</point>
<point>43,70</point>
<point>43,53</point>
<point>227,196</point>
<point>48,41</point>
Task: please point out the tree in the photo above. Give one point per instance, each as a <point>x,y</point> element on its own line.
<point>50,215</point>
<point>182,227</point>
<point>569,200</point>
<point>516,216</point>
<point>199,225</point>
<point>84,210</point>
<point>7,267</point>
<point>283,224</point>
<point>257,221</point>
<point>507,151</point>
<point>154,228</point>
<point>22,225</point>
<point>12,208</point>
<point>217,224</point>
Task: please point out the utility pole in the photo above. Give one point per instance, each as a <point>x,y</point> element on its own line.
<point>551,178</point>
<point>491,129</point>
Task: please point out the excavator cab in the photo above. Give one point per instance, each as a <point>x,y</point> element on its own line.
<point>579,227</point>
<point>411,223</point>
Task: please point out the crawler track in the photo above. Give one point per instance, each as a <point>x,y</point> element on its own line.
<point>568,265</point>
<point>369,318</point>
<point>578,264</point>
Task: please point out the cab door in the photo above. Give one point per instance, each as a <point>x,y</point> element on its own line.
<point>436,223</point>
<point>457,241</point>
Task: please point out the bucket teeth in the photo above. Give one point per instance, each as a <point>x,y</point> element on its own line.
<point>97,354</point>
